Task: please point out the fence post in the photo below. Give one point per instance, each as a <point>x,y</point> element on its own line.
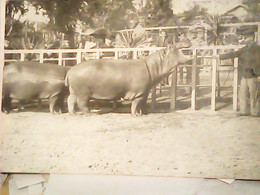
<point>2,39</point>
<point>41,57</point>
<point>214,80</point>
<point>153,89</point>
<point>134,54</point>
<point>194,80</point>
<point>174,89</point>
<point>235,85</point>
<point>78,57</point>
<point>153,97</point>
<point>116,55</point>
<point>218,82</point>
<point>60,58</point>
<point>97,55</point>
<point>22,56</point>
<point>258,34</point>
<point>205,33</point>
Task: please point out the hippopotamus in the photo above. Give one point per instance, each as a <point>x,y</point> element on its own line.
<point>108,79</point>
<point>26,81</point>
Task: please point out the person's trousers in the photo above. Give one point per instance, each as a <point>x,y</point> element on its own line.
<point>249,90</point>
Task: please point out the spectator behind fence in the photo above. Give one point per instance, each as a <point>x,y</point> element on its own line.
<point>163,40</point>
<point>249,70</point>
<point>106,44</point>
<point>183,38</point>
<point>197,39</point>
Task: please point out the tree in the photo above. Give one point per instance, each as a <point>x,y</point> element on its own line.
<point>20,34</point>
<point>159,13</point>
<point>12,8</point>
<point>253,10</point>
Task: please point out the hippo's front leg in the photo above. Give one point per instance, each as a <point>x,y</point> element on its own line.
<point>52,103</point>
<point>137,106</point>
<point>7,104</point>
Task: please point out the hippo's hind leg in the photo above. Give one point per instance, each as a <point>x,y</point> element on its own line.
<point>71,101</point>
<point>83,102</point>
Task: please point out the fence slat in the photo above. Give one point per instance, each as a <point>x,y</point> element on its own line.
<point>258,34</point>
<point>22,56</point>
<point>60,58</point>
<point>41,57</point>
<point>174,89</point>
<point>153,98</point>
<point>78,57</point>
<point>214,81</point>
<point>116,55</point>
<point>194,80</point>
<point>235,85</point>
<point>134,54</point>
<point>97,55</point>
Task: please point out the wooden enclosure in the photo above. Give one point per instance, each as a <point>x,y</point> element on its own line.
<point>79,55</point>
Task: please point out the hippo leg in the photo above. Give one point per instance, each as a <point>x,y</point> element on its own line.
<point>114,104</point>
<point>39,104</point>
<point>53,101</point>
<point>136,107</point>
<point>22,104</point>
<point>143,105</point>
<point>71,101</point>
<point>7,104</point>
<point>83,104</point>
<point>60,103</point>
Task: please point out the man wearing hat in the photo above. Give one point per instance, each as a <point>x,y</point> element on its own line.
<point>249,70</point>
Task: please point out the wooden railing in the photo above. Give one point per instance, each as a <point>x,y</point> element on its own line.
<point>76,55</point>
<point>79,55</point>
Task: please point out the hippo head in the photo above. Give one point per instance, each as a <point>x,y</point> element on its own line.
<point>173,56</point>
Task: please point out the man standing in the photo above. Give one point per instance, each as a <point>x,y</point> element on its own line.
<point>248,68</point>
<point>181,39</point>
<point>163,40</point>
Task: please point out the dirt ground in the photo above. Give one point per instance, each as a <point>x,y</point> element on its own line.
<point>182,143</point>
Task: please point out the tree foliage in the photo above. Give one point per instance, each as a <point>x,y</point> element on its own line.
<point>253,9</point>
<point>159,13</point>
<point>109,14</point>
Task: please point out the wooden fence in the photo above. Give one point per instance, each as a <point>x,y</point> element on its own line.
<point>79,55</point>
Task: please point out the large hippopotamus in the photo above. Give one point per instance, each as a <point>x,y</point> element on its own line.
<point>27,81</point>
<point>120,79</point>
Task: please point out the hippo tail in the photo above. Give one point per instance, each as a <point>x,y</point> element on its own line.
<point>67,80</point>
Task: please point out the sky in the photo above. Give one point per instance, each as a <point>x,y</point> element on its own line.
<point>214,6</point>
<point>32,16</point>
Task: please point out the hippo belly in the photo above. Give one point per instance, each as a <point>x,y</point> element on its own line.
<point>26,90</point>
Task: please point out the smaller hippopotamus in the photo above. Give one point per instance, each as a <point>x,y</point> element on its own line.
<point>26,81</point>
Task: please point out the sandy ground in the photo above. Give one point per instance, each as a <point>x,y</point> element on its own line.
<point>185,143</point>
<point>181,143</point>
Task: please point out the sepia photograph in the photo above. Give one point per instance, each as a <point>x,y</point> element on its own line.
<point>140,96</point>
